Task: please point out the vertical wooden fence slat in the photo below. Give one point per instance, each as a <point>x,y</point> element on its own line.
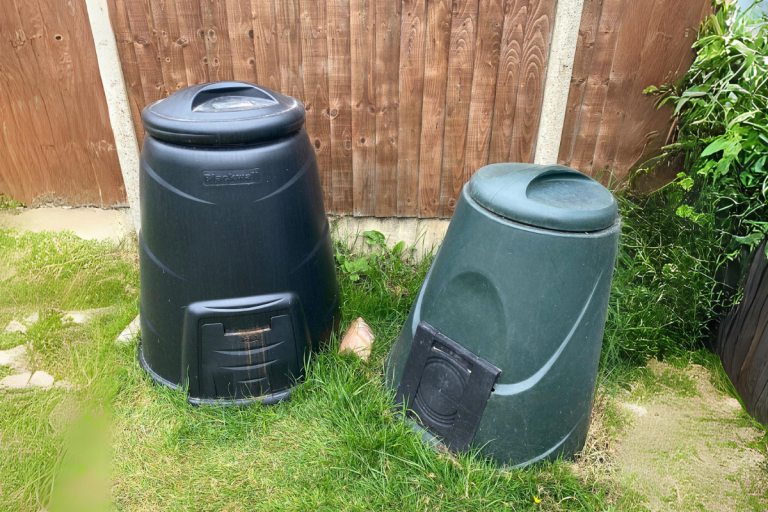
<point>387,67</point>
<point>412,36</point>
<point>166,24</point>
<point>339,84</point>
<point>193,41</point>
<point>508,82</point>
<point>533,70</point>
<point>314,51</point>
<point>363,93</point>
<point>218,53</point>
<point>265,43</point>
<point>289,46</point>
<point>438,40</point>
<point>461,61</point>
<point>241,34</point>
<point>585,49</point>
<point>486,69</point>
<point>596,90</point>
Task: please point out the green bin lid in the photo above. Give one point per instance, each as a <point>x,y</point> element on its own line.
<point>544,196</point>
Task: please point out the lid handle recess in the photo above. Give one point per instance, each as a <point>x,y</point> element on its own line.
<point>231,97</point>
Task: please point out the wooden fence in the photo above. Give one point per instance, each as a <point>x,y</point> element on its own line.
<point>625,46</point>
<point>742,340</point>
<point>56,138</point>
<point>405,98</point>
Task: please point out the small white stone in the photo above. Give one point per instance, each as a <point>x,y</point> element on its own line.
<point>33,318</point>
<point>18,381</point>
<point>16,326</point>
<point>130,332</point>
<point>80,317</point>
<point>16,357</point>
<point>41,379</point>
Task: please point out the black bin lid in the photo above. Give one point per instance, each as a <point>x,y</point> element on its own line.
<point>544,196</point>
<point>223,113</point>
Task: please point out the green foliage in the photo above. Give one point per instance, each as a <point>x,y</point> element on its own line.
<point>665,291</point>
<point>7,203</point>
<point>721,109</point>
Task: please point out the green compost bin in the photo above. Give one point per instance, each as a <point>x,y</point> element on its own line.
<point>501,348</point>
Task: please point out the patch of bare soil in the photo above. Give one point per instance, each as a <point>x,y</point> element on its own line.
<point>689,447</point>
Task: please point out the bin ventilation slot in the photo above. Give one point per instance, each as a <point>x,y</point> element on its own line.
<point>446,386</point>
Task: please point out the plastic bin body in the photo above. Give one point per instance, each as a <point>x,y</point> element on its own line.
<point>237,271</point>
<point>530,301</point>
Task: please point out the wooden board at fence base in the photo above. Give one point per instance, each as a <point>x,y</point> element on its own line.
<point>57,141</point>
<point>742,340</point>
<point>408,98</point>
<point>624,47</point>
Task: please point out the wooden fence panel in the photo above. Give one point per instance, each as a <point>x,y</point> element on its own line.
<point>406,99</point>
<point>624,47</point>
<point>742,339</point>
<point>57,140</point>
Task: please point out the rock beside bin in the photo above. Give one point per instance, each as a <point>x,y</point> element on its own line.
<point>358,339</point>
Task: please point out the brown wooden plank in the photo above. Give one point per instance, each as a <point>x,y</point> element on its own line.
<point>508,81</point>
<point>314,52</point>
<point>387,68</point>
<point>265,43</point>
<point>461,60</point>
<point>166,26</point>
<point>241,34</point>
<point>438,40</point>
<point>363,94</point>
<point>119,19</point>
<point>532,73</point>
<point>146,48</point>
<point>486,70</point>
<point>635,19</point>
<point>412,37</point>
<point>339,93</point>
<point>192,36</point>
<point>218,52</point>
<point>289,47</point>
<point>646,129</point>
<point>582,62</point>
<point>597,86</point>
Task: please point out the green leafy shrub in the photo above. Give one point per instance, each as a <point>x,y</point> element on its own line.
<point>721,109</point>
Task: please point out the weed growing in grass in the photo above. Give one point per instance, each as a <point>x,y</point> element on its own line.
<point>665,291</point>
<point>7,203</point>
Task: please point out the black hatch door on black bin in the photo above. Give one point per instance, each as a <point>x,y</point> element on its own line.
<point>244,362</point>
<point>446,386</point>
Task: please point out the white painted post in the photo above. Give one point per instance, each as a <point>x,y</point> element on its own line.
<point>117,102</point>
<point>565,35</point>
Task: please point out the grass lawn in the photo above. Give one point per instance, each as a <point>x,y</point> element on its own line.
<point>336,445</point>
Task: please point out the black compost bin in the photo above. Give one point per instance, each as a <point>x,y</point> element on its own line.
<point>237,272</point>
<point>501,347</point>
